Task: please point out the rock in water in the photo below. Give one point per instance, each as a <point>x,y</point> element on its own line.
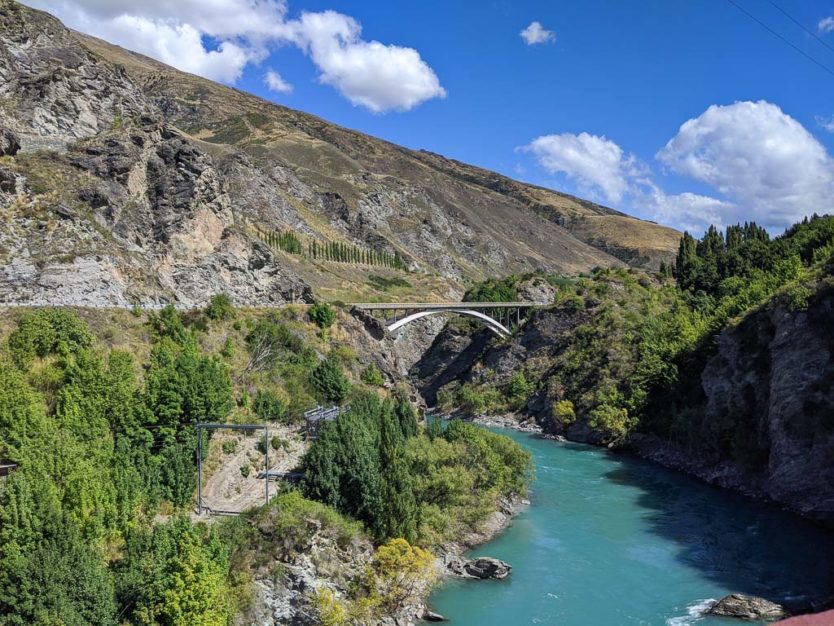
<point>747,607</point>
<point>487,567</point>
<point>431,616</point>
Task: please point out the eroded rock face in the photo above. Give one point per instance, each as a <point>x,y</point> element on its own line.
<point>774,373</point>
<point>747,607</point>
<point>9,143</point>
<point>57,91</point>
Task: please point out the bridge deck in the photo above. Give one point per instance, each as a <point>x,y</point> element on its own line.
<point>439,306</point>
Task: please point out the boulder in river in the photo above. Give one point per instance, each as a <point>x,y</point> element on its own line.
<point>484,567</point>
<point>747,607</point>
<point>431,616</point>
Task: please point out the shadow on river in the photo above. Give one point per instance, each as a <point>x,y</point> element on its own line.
<point>746,545</point>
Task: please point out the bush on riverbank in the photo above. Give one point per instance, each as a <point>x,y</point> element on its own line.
<point>401,483</point>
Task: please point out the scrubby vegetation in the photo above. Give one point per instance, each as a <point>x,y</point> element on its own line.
<point>322,315</point>
<point>635,345</point>
<point>93,522</point>
<point>375,465</point>
<point>98,452</point>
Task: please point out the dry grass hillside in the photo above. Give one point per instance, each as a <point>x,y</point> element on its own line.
<point>169,183</point>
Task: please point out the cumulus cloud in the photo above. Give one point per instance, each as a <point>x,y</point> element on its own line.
<point>535,33</point>
<point>275,82</point>
<point>826,25</point>
<point>370,74</point>
<point>597,164</point>
<point>762,164</point>
<point>380,77</point>
<point>763,161</point>
<point>687,211</point>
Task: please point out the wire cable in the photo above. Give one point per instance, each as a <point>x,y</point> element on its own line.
<point>801,25</point>
<point>770,30</point>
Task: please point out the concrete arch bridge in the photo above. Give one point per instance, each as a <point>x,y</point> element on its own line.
<point>499,317</point>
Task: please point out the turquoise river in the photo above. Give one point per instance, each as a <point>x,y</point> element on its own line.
<point>610,540</point>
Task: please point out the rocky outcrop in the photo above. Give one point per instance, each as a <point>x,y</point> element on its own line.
<point>770,385</point>
<point>431,616</point>
<point>482,568</point>
<point>747,607</point>
<point>9,143</point>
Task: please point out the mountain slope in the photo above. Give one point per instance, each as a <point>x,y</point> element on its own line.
<point>139,183</point>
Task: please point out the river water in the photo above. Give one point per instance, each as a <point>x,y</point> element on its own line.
<point>612,540</point>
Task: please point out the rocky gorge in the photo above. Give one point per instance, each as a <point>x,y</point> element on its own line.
<point>770,376</point>
<point>127,185</point>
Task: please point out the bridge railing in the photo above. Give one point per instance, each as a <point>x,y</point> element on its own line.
<point>317,416</point>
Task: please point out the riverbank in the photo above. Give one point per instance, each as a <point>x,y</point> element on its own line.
<point>722,473</point>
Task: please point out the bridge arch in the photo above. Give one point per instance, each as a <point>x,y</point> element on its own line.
<point>496,327</point>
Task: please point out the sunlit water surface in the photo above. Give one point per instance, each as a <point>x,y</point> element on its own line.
<point>611,540</point>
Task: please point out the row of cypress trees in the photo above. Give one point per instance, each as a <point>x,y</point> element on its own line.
<point>286,240</point>
<point>338,252</point>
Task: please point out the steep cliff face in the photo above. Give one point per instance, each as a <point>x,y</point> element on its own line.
<point>123,180</point>
<point>774,373</point>
<point>766,425</point>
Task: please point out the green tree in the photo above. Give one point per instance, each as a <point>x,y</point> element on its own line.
<point>397,515</point>
<point>268,406</point>
<point>42,332</point>
<point>406,416</point>
<point>329,381</point>
<point>372,376</point>
<point>174,575</point>
<point>48,573</point>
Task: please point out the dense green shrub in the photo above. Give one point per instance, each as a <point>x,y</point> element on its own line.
<point>322,315</point>
<point>372,376</point>
<point>220,308</point>
<point>168,323</point>
<point>269,407</point>
<point>519,390</point>
<point>43,332</point>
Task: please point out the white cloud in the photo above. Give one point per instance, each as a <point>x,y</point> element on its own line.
<point>762,160</point>
<point>377,76</point>
<point>535,33</point>
<point>597,164</point>
<point>826,25</point>
<point>275,82</point>
<point>686,211</point>
<point>178,45</point>
<point>826,122</point>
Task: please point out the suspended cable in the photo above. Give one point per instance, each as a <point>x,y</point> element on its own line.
<point>770,30</point>
<point>801,25</point>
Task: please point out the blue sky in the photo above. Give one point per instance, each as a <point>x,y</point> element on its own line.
<point>594,104</point>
